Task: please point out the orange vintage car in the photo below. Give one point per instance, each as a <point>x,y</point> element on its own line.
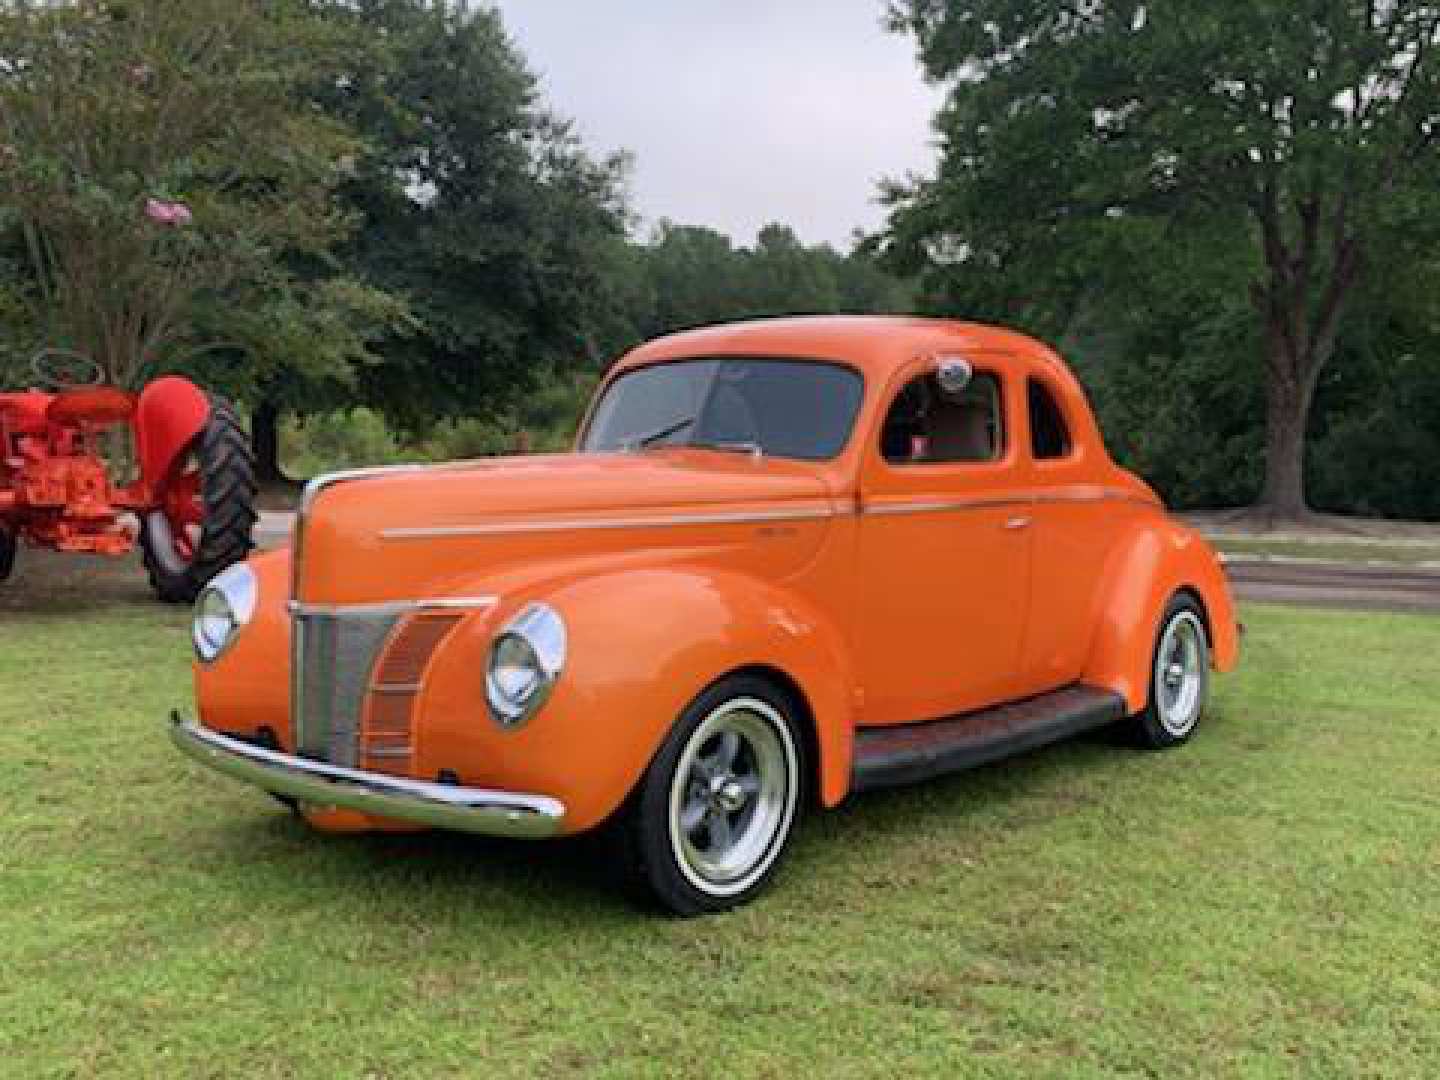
<point>789,561</point>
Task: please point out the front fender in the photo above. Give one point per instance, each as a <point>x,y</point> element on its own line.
<point>1152,562</point>
<point>169,414</point>
<point>641,645</point>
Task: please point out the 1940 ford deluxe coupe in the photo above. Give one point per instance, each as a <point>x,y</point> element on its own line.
<point>790,560</point>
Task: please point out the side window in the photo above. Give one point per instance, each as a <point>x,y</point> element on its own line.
<point>1049,437</point>
<point>928,425</point>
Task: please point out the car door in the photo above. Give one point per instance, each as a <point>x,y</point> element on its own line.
<point>944,545</point>
<point>1075,526</point>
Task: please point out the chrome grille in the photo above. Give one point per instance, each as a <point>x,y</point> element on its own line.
<point>333,654</point>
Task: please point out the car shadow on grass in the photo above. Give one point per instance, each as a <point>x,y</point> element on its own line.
<point>436,869</point>
<point>550,881</point>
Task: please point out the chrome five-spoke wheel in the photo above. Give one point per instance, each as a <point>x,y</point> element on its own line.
<point>1180,674</point>
<point>1179,677</point>
<point>717,806</point>
<point>732,796</point>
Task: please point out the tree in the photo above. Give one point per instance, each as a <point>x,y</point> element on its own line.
<point>158,157</point>
<point>692,276</point>
<point>1303,130</point>
<point>478,207</point>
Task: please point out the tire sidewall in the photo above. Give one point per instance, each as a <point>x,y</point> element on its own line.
<point>173,579</point>
<point>1153,730</point>
<point>9,545</point>
<point>660,864</point>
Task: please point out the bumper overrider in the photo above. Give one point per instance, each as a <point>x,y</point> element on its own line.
<point>318,783</point>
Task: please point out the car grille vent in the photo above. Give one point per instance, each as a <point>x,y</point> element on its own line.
<point>333,655</point>
<point>388,737</point>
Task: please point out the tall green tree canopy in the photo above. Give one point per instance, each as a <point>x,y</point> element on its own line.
<point>477,205</point>
<point>1290,146</point>
<point>156,156</point>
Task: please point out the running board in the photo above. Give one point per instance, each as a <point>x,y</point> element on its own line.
<point>906,753</point>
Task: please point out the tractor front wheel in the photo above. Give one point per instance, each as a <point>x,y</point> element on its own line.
<point>205,510</point>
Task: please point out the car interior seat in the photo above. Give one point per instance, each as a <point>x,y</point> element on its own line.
<point>958,431</point>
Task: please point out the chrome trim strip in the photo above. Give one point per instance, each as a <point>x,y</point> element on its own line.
<point>443,806</point>
<point>881,509</point>
<point>888,508</point>
<point>396,607</point>
<point>898,507</point>
<point>390,751</point>
<point>576,524</point>
<point>1103,496</point>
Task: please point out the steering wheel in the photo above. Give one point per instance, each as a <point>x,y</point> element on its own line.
<point>62,369</point>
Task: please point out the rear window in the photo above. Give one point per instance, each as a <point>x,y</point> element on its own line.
<point>1049,435</point>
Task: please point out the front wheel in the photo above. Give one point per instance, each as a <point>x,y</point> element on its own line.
<point>714,812</point>
<point>1179,678</point>
<point>205,511</point>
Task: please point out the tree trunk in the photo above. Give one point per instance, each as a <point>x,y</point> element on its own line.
<point>1301,303</point>
<point>265,443</point>
<point>1287,413</point>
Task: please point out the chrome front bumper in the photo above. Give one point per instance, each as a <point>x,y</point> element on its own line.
<point>443,806</point>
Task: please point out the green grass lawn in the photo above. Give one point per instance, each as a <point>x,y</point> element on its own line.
<point>1264,902</point>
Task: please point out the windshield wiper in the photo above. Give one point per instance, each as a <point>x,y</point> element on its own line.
<point>733,446</point>
<point>639,442</point>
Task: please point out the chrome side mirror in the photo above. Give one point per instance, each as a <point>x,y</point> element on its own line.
<point>953,375</point>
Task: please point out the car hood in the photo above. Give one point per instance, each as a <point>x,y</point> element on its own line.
<point>382,537</point>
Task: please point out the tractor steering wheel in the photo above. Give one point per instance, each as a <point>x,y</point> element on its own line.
<point>62,369</point>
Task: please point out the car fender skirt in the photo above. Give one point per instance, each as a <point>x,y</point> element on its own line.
<point>441,806</point>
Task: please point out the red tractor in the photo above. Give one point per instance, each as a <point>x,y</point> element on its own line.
<point>193,497</point>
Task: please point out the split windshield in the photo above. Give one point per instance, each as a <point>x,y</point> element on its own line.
<point>781,408</point>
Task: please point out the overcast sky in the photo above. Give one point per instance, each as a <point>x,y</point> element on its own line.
<point>738,112</point>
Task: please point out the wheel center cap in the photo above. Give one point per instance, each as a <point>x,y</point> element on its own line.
<point>1174,674</point>
<point>727,795</point>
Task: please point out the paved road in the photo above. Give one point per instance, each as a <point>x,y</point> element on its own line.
<point>1344,585</point>
<point>1320,584</point>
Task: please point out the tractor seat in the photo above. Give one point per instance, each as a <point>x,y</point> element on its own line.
<point>91,406</point>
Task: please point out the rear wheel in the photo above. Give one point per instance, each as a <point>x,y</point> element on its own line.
<point>1179,678</point>
<point>713,814</point>
<point>205,510</point>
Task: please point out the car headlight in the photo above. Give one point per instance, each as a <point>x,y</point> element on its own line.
<point>222,608</point>
<point>526,659</point>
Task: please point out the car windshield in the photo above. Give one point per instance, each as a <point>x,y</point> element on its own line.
<point>784,408</point>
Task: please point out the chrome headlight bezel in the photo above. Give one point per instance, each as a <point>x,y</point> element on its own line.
<point>223,608</point>
<point>534,641</point>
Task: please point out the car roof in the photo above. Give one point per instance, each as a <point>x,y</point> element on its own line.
<point>875,344</point>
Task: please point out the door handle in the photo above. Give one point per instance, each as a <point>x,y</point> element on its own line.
<point>1020,521</point>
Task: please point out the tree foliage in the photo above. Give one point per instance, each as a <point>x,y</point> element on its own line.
<point>154,157</point>
<point>687,275</point>
<point>478,206</point>
<point>1081,142</point>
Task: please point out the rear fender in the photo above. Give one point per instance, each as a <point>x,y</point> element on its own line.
<point>641,645</point>
<point>169,414</point>
<point>1153,562</point>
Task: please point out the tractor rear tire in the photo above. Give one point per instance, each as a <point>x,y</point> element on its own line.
<point>227,485</point>
<point>8,543</point>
